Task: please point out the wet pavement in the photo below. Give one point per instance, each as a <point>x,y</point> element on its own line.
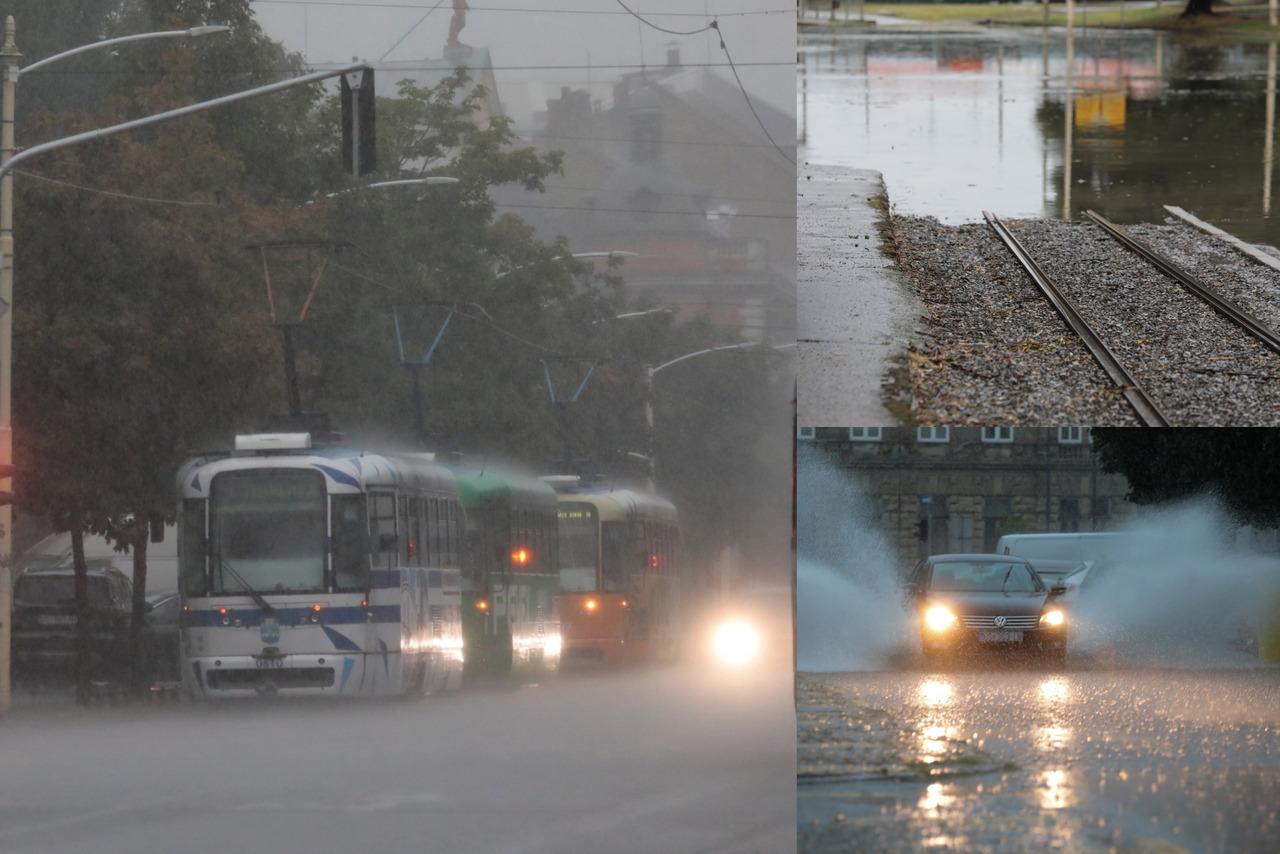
<point>857,313</point>
<point>989,757</point>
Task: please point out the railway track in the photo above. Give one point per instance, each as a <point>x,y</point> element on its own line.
<point>1102,347</point>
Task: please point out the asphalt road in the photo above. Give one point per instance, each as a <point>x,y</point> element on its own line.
<point>678,760</point>
<point>991,757</point>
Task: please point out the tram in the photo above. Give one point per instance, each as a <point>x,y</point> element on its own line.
<point>306,570</point>
<point>510,577</point>
<point>619,576</point>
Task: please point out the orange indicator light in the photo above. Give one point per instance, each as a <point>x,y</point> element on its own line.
<point>591,604</point>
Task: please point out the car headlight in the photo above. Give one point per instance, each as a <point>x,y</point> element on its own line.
<point>736,643</point>
<point>939,618</point>
<point>1053,618</point>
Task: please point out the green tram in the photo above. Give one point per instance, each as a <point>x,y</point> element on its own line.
<point>510,577</point>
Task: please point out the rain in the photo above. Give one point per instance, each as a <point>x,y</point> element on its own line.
<point>674,210</point>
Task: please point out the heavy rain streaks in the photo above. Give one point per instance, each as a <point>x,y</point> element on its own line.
<point>1160,730</point>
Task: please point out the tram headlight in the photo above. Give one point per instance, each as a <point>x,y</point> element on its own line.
<point>736,643</point>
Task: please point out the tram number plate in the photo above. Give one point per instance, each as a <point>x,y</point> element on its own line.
<point>269,663</point>
<point>999,637</point>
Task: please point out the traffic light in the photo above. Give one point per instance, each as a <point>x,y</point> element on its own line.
<point>359,136</point>
<point>922,530</point>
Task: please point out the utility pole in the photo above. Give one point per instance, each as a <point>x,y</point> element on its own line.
<point>9,56</point>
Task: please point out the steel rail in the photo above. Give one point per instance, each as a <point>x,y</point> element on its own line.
<point>1216,301</point>
<point>1142,404</point>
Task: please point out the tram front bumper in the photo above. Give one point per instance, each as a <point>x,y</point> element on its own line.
<point>254,675</point>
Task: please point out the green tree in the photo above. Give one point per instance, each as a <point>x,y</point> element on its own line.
<point>134,339</point>
<point>1238,465</point>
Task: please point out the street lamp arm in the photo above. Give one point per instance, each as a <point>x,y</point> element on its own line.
<point>679,359</point>
<point>617,253</point>
<point>199,107</point>
<point>168,34</point>
<point>435,179</point>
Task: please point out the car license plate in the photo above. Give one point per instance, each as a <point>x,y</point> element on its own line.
<point>999,637</point>
<point>55,620</point>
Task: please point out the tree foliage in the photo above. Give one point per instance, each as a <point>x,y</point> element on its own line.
<point>1240,466</point>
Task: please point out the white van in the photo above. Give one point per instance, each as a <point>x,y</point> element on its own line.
<point>1055,555</point>
<point>162,558</point>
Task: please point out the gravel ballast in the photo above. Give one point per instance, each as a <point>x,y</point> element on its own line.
<point>997,352</point>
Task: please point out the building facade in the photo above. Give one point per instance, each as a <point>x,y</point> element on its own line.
<point>959,489</point>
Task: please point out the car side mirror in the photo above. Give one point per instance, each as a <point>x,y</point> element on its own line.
<point>1057,589</point>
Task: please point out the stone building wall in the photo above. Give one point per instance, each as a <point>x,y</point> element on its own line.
<point>939,490</point>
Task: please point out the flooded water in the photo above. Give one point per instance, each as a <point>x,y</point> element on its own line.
<point>1036,122</point>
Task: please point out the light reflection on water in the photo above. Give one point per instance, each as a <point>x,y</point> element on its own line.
<point>935,692</point>
<point>1028,123</point>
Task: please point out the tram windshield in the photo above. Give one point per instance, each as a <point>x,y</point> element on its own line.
<point>579,546</point>
<point>267,531</point>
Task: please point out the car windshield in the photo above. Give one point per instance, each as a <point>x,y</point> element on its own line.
<point>59,591</point>
<point>979,577</point>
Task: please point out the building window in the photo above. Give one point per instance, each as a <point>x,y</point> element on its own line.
<point>1069,515</point>
<point>961,534</point>
<point>1070,435</point>
<point>865,434</point>
<point>806,434</point>
<point>933,434</point>
<point>995,513</point>
<point>997,434</point>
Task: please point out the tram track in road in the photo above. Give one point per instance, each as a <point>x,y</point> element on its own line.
<point>1180,325</point>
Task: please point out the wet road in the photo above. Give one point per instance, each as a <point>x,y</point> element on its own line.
<point>676,760</point>
<point>1081,758</point>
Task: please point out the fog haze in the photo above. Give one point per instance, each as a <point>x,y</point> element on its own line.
<point>561,43</point>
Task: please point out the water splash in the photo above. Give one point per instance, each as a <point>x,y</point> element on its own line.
<point>849,613</point>
<point>1181,593</point>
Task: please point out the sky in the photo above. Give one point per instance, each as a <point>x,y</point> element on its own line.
<point>566,42</point>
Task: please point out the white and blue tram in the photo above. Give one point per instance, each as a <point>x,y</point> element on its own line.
<point>318,571</point>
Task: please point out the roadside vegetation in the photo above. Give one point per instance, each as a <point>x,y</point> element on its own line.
<point>143,331</point>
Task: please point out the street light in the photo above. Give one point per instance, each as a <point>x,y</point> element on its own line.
<point>615,253</point>
<point>9,56</point>
<point>435,179</point>
<point>648,391</point>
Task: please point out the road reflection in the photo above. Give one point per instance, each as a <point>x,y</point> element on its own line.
<point>935,692</point>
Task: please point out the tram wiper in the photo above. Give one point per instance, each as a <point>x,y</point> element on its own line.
<point>266,606</point>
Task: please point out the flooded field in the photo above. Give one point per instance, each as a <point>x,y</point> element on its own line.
<point>1039,122</point>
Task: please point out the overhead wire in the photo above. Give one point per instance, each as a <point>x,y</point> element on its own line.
<point>115,193</point>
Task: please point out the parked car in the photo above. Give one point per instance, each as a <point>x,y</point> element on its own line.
<point>985,602</point>
<point>43,634</point>
<point>160,638</point>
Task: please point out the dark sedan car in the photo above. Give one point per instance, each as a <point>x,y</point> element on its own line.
<point>981,602</point>
<point>44,622</point>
